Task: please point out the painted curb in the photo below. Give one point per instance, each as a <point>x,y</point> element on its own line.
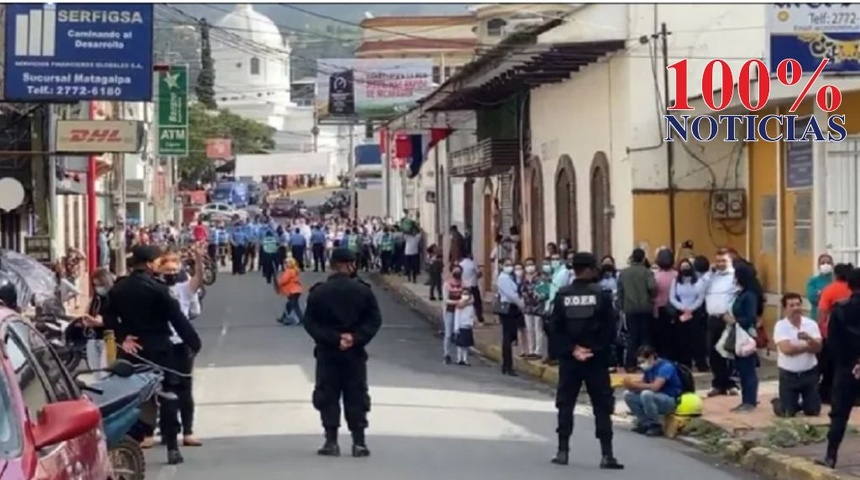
<point>764,461</point>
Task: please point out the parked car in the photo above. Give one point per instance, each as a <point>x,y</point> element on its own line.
<point>281,207</point>
<point>48,430</point>
<point>220,211</point>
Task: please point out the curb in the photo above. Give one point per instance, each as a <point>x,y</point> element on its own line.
<point>491,351</point>
<point>763,461</point>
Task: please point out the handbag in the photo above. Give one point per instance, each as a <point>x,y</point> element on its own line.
<point>500,307</point>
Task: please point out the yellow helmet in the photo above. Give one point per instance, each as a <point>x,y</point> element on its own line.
<point>690,405</point>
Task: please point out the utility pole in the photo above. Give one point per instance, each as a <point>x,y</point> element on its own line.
<point>118,197</point>
<point>670,151</point>
<point>353,193</point>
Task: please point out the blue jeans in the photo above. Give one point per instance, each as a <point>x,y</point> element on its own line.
<point>447,333</point>
<point>294,307</point>
<point>649,407</point>
<point>746,367</point>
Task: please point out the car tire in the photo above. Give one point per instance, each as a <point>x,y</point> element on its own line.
<point>128,460</point>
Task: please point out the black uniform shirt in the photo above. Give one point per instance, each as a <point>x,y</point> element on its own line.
<point>582,315</point>
<point>141,306</point>
<point>843,332</point>
<point>341,305</point>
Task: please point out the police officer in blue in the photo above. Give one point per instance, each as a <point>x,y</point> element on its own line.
<point>342,316</point>
<point>223,243</point>
<point>238,245</point>
<point>584,324</point>
<point>318,247</point>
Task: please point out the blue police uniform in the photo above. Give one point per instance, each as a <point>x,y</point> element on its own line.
<point>318,248</point>
<point>238,247</point>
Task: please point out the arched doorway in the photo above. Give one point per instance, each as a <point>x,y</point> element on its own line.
<point>536,216</point>
<point>565,199</point>
<point>601,200</point>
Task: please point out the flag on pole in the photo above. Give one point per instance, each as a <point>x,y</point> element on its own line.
<point>420,145</point>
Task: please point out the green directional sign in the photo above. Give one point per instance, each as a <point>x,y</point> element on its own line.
<point>172,106</point>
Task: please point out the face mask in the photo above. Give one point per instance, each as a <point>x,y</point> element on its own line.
<point>508,269</point>
<point>102,291</point>
<point>457,275</point>
<point>169,279</point>
<point>182,277</point>
<point>530,268</point>
<point>607,268</point>
<point>825,269</point>
<point>518,272</point>
<point>555,264</point>
<point>645,366</point>
<point>547,268</point>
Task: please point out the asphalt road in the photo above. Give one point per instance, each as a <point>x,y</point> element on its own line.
<point>254,414</point>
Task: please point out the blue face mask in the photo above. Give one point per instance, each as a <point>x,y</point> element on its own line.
<point>556,264</point>
<point>547,269</point>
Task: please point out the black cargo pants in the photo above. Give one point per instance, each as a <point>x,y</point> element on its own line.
<point>342,375</point>
<point>572,375</point>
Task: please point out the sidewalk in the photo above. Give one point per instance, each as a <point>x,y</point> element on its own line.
<point>758,440</point>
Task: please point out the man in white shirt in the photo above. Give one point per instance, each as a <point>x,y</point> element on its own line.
<point>720,290</point>
<point>412,260</point>
<point>471,275</point>
<point>797,340</point>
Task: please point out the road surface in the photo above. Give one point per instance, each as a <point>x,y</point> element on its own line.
<point>428,420</point>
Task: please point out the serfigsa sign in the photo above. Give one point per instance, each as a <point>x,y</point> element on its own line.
<point>74,51</point>
<point>807,42</point>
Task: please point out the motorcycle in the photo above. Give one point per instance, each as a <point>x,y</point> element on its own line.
<point>210,272</point>
<point>125,400</point>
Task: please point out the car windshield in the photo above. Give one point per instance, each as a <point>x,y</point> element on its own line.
<point>224,188</point>
<point>10,434</point>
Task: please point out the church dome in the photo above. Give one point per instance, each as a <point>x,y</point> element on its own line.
<point>251,58</point>
<point>251,25</point>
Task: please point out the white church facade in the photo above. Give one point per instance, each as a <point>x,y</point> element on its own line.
<point>252,80</point>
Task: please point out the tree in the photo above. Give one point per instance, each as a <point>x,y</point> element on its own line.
<point>205,89</point>
<point>248,136</point>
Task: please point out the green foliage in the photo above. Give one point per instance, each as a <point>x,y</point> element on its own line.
<point>205,89</point>
<point>248,136</point>
<point>793,433</point>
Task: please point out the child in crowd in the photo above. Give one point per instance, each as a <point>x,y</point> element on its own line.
<point>464,321</point>
<point>435,269</point>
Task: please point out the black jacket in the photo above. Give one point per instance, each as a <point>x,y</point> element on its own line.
<point>596,331</point>
<point>142,306</point>
<point>341,305</point>
<point>843,332</point>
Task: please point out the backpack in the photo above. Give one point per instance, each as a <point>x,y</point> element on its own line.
<point>688,381</point>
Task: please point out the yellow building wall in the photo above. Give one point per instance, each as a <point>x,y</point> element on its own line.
<point>692,222</point>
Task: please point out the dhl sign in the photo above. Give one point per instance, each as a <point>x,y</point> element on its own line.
<point>99,136</point>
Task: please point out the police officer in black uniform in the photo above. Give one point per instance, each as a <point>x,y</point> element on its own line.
<point>583,321</point>
<point>342,316</point>
<point>843,341</point>
<point>141,311</point>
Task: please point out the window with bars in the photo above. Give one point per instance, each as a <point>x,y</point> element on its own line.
<point>802,222</point>
<point>768,224</point>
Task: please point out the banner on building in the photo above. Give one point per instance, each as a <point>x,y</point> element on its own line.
<point>811,32</point>
<point>219,148</point>
<point>358,89</point>
<point>172,106</point>
<point>68,52</point>
<point>99,136</point>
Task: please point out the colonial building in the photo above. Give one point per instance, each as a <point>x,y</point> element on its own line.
<point>569,144</point>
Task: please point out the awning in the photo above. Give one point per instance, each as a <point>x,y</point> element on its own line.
<point>535,66</point>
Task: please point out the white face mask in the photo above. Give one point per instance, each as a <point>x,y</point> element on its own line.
<point>644,366</point>
<point>825,269</point>
<point>101,290</point>
<point>518,272</point>
<point>530,269</point>
<point>508,269</point>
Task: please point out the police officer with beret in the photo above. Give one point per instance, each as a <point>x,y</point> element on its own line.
<point>583,322</point>
<point>144,315</point>
<point>342,316</point>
